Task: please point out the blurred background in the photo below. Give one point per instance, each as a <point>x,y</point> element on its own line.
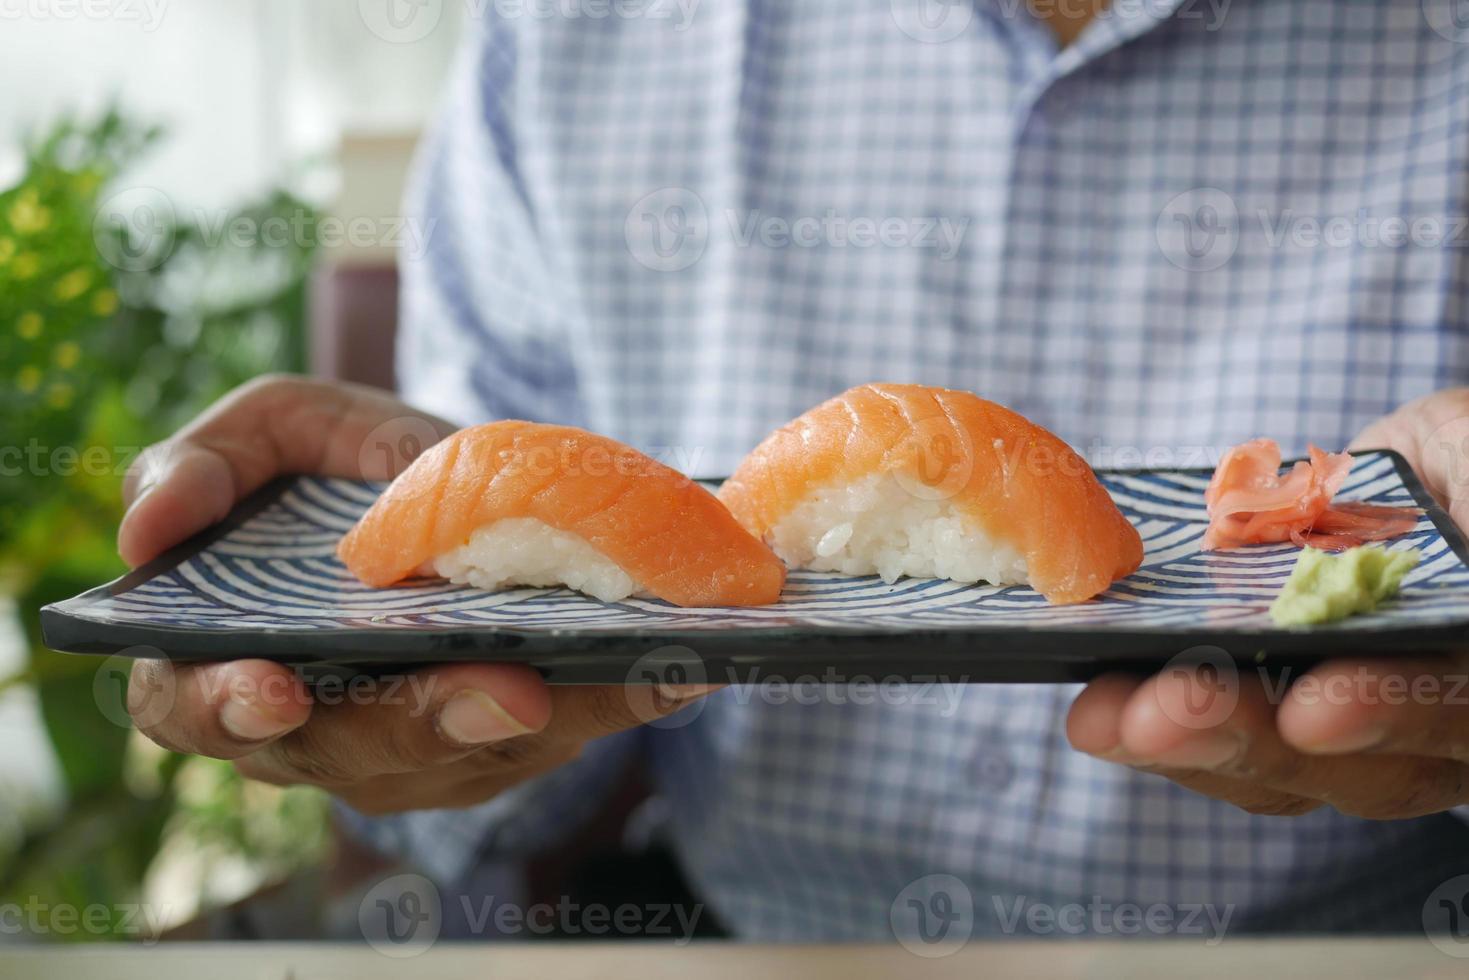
<point>190,195</point>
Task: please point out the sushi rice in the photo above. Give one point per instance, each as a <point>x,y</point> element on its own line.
<point>877,526</point>
<point>525,551</point>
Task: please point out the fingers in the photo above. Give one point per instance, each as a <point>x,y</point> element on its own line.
<point>1432,433</point>
<point>584,712</point>
<point>179,496</point>
<point>1236,749</point>
<point>457,785</point>
<point>1407,707</point>
<point>1094,726</point>
<point>467,733</point>
<point>224,710</point>
<point>449,733</point>
<point>272,426</point>
<point>434,718</point>
<point>1157,728</point>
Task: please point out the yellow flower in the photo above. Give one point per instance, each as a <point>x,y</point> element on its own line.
<point>28,380</point>
<point>27,215</point>
<point>104,303</point>
<point>59,395</point>
<point>27,264</point>
<point>67,355</point>
<point>73,284</point>
<point>29,325</point>
<point>7,250</point>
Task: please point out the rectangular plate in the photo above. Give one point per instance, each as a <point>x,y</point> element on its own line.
<point>265,583</point>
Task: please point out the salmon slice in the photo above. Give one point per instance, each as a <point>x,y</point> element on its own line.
<point>1018,484</point>
<point>665,531</point>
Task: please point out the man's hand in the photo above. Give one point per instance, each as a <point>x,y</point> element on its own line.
<point>448,736</point>
<point>1383,739</point>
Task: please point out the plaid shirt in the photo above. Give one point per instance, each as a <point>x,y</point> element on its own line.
<point>1197,224</point>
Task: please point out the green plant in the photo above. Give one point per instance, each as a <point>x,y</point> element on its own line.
<point>100,355</point>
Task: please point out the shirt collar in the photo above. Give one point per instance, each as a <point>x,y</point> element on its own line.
<point>1120,22</point>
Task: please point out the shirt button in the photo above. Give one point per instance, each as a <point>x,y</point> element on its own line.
<point>994,771</point>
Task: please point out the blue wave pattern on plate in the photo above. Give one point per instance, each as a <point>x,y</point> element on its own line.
<point>278,571</point>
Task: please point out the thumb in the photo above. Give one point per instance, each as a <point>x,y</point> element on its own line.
<point>1432,434</point>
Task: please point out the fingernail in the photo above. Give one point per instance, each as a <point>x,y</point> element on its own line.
<point>154,477</point>
<point>1358,741</point>
<point>143,683</point>
<point>474,718</point>
<point>247,721</point>
<point>1120,756</point>
<point>1201,752</point>
<point>142,493</point>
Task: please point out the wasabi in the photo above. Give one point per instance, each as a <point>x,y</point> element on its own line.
<point>1324,587</point>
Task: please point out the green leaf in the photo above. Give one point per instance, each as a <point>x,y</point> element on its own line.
<point>95,358</point>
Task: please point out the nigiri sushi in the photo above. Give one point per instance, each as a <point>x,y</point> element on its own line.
<point>520,503</point>
<point>925,482</point>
